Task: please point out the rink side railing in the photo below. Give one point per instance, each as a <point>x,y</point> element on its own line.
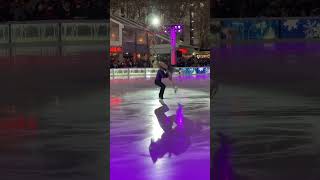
<point>121,73</point>
<point>54,31</point>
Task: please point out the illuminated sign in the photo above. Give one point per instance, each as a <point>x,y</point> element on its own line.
<point>203,56</point>
<point>115,49</point>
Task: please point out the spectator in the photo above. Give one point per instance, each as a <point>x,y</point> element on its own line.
<point>4,10</point>
<point>29,9</point>
<point>64,9</point>
<point>40,10</point>
<point>79,10</point>
<point>20,10</point>
<point>95,9</point>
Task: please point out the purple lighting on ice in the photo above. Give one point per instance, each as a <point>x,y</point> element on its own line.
<point>154,142</point>
<point>179,115</point>
<point>222,167</point>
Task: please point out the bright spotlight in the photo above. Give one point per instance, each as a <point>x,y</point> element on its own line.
<point>155,21</point>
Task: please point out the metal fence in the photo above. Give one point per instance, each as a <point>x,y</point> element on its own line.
<point>257,29</point>
<point>53,31</point>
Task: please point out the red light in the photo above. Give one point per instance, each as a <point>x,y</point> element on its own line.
<point>19,122</point>
<point>115,49</point>
<point>115,101</point>
<point>183,50</point>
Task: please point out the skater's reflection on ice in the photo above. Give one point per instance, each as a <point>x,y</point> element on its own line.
<point>222,168</point>
<point>176,137</point>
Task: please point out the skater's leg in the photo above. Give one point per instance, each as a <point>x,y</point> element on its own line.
<point>174,86</point>
<point>158,83</point>
<point>162,86</point>
<point>172,82</point>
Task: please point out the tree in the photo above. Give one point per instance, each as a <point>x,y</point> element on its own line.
<point>202,22</point>
<point>133,9</point>
<point>172,12</point>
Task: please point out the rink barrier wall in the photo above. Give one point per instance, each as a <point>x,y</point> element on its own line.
<point>151,72</point>
<point>54,31</point>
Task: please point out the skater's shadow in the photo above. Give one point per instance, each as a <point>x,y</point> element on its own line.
<point>177,132</point>
<point>222,167</point>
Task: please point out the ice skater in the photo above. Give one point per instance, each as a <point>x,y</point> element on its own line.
<point>161,74</point>
<point>170,73</point>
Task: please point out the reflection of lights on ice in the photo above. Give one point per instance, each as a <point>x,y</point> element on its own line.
<point>115,101</point>
<point>157,131</point>
<point>179,115</point>
<point>148,77</point>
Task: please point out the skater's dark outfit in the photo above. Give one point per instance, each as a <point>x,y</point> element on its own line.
<point>160,75</point>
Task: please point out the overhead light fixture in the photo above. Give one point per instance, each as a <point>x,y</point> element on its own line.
<point>155,21</point>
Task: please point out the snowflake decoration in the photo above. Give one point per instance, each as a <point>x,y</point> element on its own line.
<point>261,26</point>
<point>312,29</point>
<point>270,34</point>
<point>291,24</point>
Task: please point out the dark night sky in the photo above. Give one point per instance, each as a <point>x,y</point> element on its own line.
<point>266,8</point>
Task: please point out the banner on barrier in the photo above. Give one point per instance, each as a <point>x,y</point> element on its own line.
<point>137,71</point>
<point>121,72</point>
<point>149,72</point>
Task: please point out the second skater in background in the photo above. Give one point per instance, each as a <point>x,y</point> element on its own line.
<point>170,73</point>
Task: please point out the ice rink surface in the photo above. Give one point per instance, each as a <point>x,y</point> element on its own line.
<point>265,134</point>
<point>154,140</point>
<point>53,132</point>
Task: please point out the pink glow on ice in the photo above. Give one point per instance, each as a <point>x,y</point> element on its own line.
<point>179,116</point>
